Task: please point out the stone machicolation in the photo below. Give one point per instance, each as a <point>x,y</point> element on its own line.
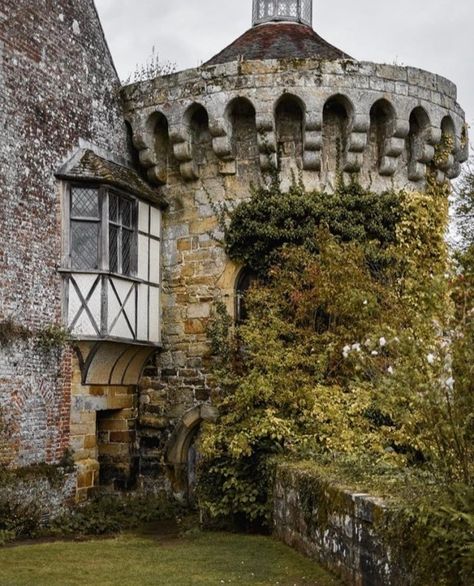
<point>382,122</point>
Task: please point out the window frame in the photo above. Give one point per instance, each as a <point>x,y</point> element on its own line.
<point>103,252</point>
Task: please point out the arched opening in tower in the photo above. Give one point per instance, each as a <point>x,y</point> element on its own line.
<point>159,173</point>
<point>445,154</point>
<point>382,120</point>
<point>201,140</point>
<point>415,144</point>
<point>245,280</point>
<point>242,118</point>
<point>289,122</point>
<point>336,120</point>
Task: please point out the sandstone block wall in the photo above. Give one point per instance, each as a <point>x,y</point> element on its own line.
<point>206,135</point>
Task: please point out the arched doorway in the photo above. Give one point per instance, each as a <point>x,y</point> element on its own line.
<point>182,455</point>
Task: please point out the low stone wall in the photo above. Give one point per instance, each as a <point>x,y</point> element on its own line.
<point>338,528</point>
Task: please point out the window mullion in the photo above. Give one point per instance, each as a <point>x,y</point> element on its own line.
<point>104,229</point>
<point>119,245</point>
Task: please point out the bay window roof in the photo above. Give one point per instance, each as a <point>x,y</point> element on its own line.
<point>87,166</point>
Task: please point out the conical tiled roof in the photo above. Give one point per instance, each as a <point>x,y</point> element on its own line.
<point>279,40</point>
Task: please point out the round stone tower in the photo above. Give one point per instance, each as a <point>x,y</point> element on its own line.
<point>280,97</point>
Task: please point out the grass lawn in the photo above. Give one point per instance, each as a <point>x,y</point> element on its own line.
<point>141,560</point>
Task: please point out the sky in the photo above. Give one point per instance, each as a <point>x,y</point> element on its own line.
<point>436,35</point>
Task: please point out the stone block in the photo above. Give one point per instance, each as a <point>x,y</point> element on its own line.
<point>153,422</point>
<point>195,326</point>
<point>85,480</point>
<point>90,441</point>
<point>199,310</point>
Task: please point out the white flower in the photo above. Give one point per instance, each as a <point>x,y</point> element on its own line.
<point>390,370</point>
<point>356,347</point>
<point>375,353</point>
<point>430,358</point>
<point>382,342</point>
<point>450,383</point>
<point>366,302</point>
<point>346,351</point>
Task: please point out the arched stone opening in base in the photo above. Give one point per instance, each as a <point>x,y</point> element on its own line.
<point>181,456</point>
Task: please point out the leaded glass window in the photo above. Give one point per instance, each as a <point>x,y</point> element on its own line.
<point>103,231</point>
<point>121,235</point>
<point>85,228</point>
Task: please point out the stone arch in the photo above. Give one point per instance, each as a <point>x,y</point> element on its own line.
<point>179,444</point>
<point>447,148</point>
<point>290,112</point>
<point>337,115</point>
<point>241,117</point>
<point>381,129</point>
<point>416,143</point>
<point>245,278</point>
<point>159,128</point>
<point>197,120</point>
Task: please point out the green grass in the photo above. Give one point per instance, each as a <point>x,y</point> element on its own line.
<point>140,560</point>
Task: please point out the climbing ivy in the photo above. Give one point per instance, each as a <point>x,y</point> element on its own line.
<point>340,355</point>
<point>272,218</point>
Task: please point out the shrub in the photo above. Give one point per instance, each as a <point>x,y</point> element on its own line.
<point>336,357</point>
<point>108,514</point>
<point>272,218</point>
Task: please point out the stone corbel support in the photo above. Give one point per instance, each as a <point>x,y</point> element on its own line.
<point>222,146</point>
<point>267,142</point>
<point>181,139</point>
<point>356,143</point>
<point>144,141</point>
<point>393,148</point>
<point>423,153</point>
<point>313,142</point>
<point>460,155</point>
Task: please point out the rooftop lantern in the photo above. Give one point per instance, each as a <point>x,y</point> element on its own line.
<point>283,10</point>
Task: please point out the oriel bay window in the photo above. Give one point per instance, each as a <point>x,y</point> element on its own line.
<point>111,264</point>
<point>103,230</point>
<point>111,248</point>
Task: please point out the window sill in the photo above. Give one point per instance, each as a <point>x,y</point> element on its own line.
<point>99,272</point>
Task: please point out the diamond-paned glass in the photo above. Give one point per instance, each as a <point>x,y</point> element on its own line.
<point>113,207</point>
<point>122,235</point>
<point>127,239</point>
<point>84,203</point>
<point>113,248</point>
<point>84,245</point>
<point>280,10</point>
<point>126,212</point>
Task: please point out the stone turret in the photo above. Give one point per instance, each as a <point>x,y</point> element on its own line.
<point>304,97</point>
<point>280,97</point>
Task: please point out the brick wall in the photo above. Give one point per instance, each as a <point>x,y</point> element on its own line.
<point>57,86</point>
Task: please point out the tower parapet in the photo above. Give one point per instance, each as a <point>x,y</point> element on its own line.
<point>321,118</point>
